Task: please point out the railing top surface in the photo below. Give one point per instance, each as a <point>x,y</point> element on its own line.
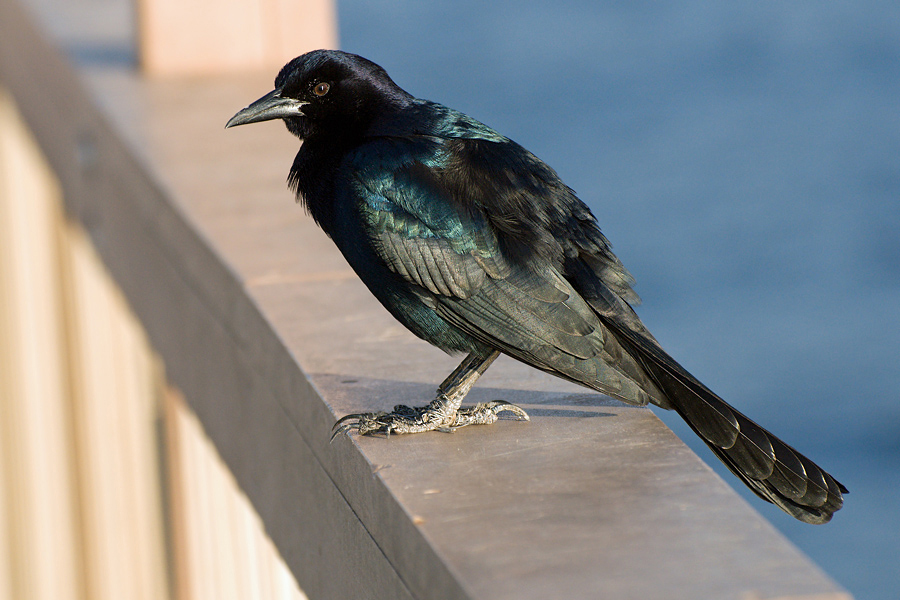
<point>271,336</point>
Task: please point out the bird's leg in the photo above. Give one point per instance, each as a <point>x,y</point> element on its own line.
<point>441,414</point>
<point>453,389</point>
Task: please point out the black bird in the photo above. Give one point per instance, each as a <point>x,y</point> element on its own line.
<point>477,246</point>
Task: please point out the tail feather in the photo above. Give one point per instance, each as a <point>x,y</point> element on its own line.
<point>768,466</point>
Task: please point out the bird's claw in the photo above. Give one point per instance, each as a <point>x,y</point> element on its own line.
<point>345,424</point>
<point>373,423</point>
<point>434,417</point>
<point>487,413</point>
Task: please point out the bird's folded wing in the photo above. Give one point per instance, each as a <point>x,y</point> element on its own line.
<point>453,256</point>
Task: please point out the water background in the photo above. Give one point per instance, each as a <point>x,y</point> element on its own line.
<point>744,160</point>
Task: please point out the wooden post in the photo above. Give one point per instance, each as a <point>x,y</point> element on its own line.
<point>198,37</point>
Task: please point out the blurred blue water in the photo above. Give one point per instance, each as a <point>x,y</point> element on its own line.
<point>744,159</point>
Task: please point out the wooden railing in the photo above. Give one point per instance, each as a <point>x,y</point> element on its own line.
<point>246,311</point>
<point>87,422</point>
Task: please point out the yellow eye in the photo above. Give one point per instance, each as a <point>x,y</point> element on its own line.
<point>321,89</point>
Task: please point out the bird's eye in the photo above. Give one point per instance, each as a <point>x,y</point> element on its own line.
<point>321,89</point>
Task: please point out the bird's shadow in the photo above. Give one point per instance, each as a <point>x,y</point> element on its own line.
<point>352,393</point>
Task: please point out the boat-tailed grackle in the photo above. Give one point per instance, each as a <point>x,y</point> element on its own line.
<point>477,246</point>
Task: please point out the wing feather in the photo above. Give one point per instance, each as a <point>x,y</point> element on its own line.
<point>450,250</point>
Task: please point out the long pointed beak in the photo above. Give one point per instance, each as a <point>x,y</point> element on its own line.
<point>271,106</point>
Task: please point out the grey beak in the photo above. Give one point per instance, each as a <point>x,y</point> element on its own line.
<point>271,106</point>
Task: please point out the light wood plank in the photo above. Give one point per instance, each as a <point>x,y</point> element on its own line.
<point>40,496</point>
<point>219,544</point>
<point>114,382</point>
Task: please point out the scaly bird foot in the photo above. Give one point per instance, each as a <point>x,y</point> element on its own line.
<point>437,416</point>
<point>486,413</point>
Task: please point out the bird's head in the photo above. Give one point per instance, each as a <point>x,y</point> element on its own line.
<point>326,92</point>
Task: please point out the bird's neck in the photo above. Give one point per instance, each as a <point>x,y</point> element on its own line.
<point>312,178</point>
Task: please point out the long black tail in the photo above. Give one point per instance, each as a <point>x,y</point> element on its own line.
<point>772,469</point>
